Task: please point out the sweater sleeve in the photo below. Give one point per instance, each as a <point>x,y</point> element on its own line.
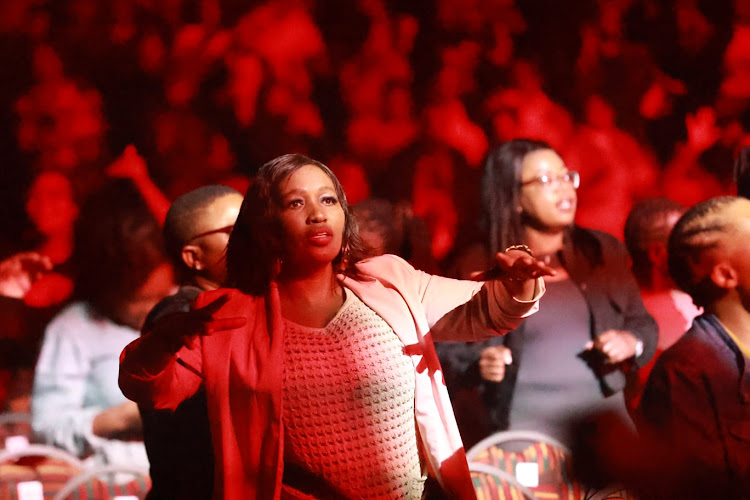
<point>627,298</point>
<point>460,310</point>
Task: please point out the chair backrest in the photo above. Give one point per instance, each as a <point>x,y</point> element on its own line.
<point>491,483</point>
<point>550,459</point>
<point>107,483</point>
<point>44,468</point>
<point>506,449</point>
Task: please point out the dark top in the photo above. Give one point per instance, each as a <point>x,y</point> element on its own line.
<point>555,387</point>
<point>598,264</point>
<point>697,404</point>
<point>178,443</point>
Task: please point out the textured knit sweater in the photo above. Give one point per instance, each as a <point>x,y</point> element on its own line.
<point>349,399</point>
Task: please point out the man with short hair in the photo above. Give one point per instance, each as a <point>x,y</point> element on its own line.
<point>647,231</point>
<point>696,405</point>
<point>196,232</point>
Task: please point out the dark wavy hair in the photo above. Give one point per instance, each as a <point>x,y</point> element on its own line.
<point>256,243</point>
<point>118,244</point>
<point>501,187</point>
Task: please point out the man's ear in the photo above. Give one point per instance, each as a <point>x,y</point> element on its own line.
<point>724,275</point>
<point>192,257</point>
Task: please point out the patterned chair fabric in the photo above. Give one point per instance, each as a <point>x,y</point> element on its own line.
<point>491,483</point>
<point>106,483</point>
<point>505,450</point>
<point>49,466</point>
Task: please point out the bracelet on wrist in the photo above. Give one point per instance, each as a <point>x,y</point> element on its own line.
<point>523,248</point>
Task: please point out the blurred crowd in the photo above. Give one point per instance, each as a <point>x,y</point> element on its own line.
<point>112,110</point>
<point>403,100</point>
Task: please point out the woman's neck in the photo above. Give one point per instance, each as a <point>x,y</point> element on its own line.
<point>311,298</point>
<point>543,243</point>
<point>545,246</point>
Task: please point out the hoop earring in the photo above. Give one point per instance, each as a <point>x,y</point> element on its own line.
<point>344,262</point>
<point>276,267</point>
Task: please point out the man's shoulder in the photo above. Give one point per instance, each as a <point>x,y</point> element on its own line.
<point>697,349</point>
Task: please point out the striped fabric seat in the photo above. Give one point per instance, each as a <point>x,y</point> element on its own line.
<point>491,483</point>
<point>50,467</point>
<point>106,483</point>
<point>505,450</point>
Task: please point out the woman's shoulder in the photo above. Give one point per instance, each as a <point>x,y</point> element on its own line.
<point>603,237</point>
<point>384,265</point>
<point>599,247</point>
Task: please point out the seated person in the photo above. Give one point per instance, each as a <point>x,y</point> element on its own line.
<point>388,228</point>
<point>178,443</point>
<point>121,273</point>
<point>694,406</point>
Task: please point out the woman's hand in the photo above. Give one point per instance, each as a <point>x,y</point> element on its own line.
<point>517,270</point>
<point>492,362</point>
<point>616,345</point>
<point>177,328</point>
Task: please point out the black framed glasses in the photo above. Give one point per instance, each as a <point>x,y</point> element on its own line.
<point>553,181</point>
<point>225,230</point>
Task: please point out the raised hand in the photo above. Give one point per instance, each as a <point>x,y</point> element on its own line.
<point>701,129</point>
<point>177,328</point>
<point>516,269</point>
<point>129,164</point>
<point>19,271</point>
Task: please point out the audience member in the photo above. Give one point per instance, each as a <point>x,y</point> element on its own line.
<point>742,173</point>
<point>121,272</point>
<point>646,233</point>
<point>314,349</point>
<point>693,406</point>
<point>178,443</point>
<point>52,209</point>
<point>567,362</point>
<point>387,228</point>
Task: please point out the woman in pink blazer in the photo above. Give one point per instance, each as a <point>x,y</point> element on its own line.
<point>319,369</point>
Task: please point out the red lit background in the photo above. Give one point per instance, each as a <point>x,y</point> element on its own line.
<point>402,99</point>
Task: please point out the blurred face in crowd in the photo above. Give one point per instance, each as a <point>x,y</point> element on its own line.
<point>548,191</point>
<point>133,310</point>
<point>311,217</point>
<point>50,204</point>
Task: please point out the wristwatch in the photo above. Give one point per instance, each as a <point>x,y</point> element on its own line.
<point>638,347</point>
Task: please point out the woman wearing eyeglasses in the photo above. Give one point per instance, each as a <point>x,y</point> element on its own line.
<point>569,361</point>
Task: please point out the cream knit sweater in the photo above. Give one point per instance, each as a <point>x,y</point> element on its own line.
<point>349,405</point>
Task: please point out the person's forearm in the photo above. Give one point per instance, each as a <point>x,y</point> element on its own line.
<point>118,422</point>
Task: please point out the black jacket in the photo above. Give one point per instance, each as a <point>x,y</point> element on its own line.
<point>178,443</point>
<point>598,263</point>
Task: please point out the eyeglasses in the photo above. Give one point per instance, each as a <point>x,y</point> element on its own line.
<point>553,181</point>
<point>225,230</point>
